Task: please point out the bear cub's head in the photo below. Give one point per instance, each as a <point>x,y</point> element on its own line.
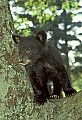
<point>30,48</point>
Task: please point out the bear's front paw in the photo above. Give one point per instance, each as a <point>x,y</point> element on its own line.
<point>70,92</point>
<point>39,99</point>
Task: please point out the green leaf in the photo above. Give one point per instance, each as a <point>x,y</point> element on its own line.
<point>52,18</point>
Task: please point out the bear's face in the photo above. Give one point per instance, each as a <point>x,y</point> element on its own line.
<point>30,49</point>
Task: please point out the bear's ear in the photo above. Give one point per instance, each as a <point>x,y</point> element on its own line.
<point>41,36</point>
<point>16,38</point>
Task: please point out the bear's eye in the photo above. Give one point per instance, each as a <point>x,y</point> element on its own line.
<point>28,51</point>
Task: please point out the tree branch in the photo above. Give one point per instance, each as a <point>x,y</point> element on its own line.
<point>68,108</point>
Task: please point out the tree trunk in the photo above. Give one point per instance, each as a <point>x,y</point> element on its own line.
<point>16,93</point>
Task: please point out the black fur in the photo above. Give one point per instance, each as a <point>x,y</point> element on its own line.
<point>45,63</point>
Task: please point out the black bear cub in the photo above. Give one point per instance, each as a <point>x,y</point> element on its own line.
<point>47,72</point>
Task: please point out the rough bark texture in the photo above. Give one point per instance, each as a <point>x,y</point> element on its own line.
<point>63,109</point>
<point>16,93</point>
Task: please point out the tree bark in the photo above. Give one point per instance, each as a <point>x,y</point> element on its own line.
<point>16,95</point>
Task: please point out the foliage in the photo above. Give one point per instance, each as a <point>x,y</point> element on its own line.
<point>42,11</point>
